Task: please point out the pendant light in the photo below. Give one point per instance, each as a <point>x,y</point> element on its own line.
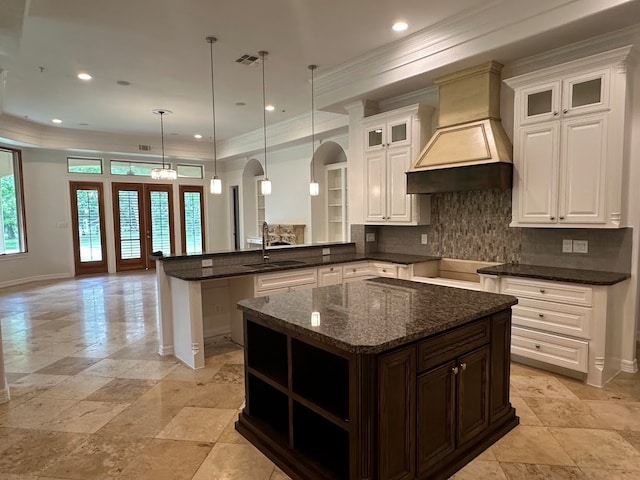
<point>265,185</point>
<point>215,184</point>
<point>314,187</point>
<point>164,173</point>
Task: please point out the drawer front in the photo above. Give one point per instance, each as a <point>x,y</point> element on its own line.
<point>549,348</point>
<point>447,346</point>
<point>283,280</point>
<point>329,276</point>
<point>553,317</point>
<point>384,270</point>
<point>357,269</point>
<point>553,291</point>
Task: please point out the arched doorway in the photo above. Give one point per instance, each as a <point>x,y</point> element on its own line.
<point>329,222</point>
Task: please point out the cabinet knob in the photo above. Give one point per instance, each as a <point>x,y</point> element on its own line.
<point>538,347</point>
<point>384,270</point>
<point>552,218</point>
<point>542,290</point>
<point>463,366</point>
<point>541,315</point>
<point>555,114</point>
<point>455,370</point>
<point>565,110</point>
<point>561,218</point>
<point>331,269</point>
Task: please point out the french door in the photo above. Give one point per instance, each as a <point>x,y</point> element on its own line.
<point>143,223</point>
<point>87,219</point>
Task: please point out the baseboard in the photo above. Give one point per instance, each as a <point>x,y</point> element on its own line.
<point>36,278</point>
<point>165,351</point>
<point>216,332</point>
<point>629,366</point>
<point>5,396</point>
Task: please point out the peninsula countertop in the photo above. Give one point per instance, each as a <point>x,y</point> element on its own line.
<point>571,275</point>
<point>372,316</point>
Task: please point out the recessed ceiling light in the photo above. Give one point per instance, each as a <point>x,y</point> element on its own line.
<point>84,76</point>
<point>400,26</point>
<point>123,83</point>
<point>240,104</point>
<point>198,136</point>
<point>269,108</point>
<point>56,120</point>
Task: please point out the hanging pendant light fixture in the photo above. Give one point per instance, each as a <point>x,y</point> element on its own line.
<point>215,184</point>
<point>314,187</point>
<point>265,185</point>
<point>166,172</point>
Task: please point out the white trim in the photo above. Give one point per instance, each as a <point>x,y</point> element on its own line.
<point>5,394</point>
<point>165,350</point>
<point>629,366</point>
<point>35,278</point>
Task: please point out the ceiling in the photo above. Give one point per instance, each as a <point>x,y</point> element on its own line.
<point>159,48</point>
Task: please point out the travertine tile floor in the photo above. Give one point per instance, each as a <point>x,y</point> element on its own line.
<point>91,399</point>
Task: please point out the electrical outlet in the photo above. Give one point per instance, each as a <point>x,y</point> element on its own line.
<point>371,237</point>
<point>326,251</point>
<point>423,239</point>
<point>567,246</point>
<point>207,262</point>
<point>581,246</point>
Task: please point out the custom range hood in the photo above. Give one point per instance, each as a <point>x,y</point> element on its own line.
<point>469,150</point>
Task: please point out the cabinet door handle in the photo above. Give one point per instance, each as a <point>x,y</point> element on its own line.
<point>455,370</point>
<point>463,366</point>
<point>542,290</point>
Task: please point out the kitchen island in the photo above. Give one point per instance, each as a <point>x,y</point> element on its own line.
<point>376,379</point>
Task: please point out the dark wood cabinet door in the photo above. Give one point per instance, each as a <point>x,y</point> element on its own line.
<point>500,364</point>
<point>397,407</point>
<point>473,394</point>
<point>436,415</point>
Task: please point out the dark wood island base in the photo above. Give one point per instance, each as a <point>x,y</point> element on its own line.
<point>327,400</point>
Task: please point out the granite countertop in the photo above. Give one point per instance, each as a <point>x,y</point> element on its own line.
<point>372,316</point>
<point>571,275</point>
<point>195,273</point>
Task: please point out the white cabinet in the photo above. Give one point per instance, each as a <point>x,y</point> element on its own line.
<point>559,324</point>
<point>569,143</point>
<point>285,281</point>
<point>392,140</point>
<point>337,221</point>
<point>331,275</point>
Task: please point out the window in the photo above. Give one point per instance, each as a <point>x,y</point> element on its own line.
<point>192,216</point>
<point>84,165</point>
<point>140,169</point>
<point>190,171</point>
<point>13,237</point>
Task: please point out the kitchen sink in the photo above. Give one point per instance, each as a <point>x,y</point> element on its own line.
<point>268,265</point>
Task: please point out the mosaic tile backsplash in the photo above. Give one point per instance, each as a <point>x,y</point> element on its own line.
<point>475,226</point>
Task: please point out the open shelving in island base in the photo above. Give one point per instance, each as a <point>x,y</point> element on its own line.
<point>418,411</point>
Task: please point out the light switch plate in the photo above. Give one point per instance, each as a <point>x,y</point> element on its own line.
<point>371,237</point>
<point>326,251</point>
<point>580,246</point>
<point>567,246</point>
<point>207,262</point>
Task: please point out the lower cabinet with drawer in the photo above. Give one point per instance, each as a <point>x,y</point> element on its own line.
<point>575,327</point>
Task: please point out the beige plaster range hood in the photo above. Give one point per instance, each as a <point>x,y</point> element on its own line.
<point>469,150</point>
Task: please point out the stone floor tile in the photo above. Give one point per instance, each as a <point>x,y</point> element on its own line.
<point>141,420</point>
<point>110,368</point>
<point>480,470</point>
<point>68,366</point>
<point>35,413</point>
<point>231,435</point>
<point>121,390</point>
<point>215,395</point>
<point>560,412</point>
<point>172,392</point>
<point>531,445</point>
<point>540,386</point>
<point>85,417</point>
<point>619,416</point>
<point>150,369</point>
<point>523,410</point>
<point>526,471</point>
<point>198,424</point>
<point>229,373</point>
<point>76,388</point>
<point>168,460</point>
<point>605,474</point>
<point>633,437</point>
<point>279,475</point>
<point>597,448</point>
<point>234,461</point>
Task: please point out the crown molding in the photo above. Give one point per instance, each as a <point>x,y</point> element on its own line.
<point>476,31</point>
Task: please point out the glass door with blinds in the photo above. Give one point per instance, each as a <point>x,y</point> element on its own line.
<point>87,218</point>
<point>143,223</point>
<point>192,219</point>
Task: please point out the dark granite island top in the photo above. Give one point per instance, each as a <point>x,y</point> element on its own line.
<point>375,315</point>
<point>378,379</point>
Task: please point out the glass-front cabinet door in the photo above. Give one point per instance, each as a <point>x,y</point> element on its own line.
<point>540,103</point>
<point>375,137</point>
<point>388,134</point>
<point>586,93</point>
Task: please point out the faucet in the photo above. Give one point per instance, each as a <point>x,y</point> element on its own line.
<point>265,239</point>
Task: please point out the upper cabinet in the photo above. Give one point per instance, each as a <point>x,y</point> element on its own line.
<point>569,143</point>
<point>391,142</point>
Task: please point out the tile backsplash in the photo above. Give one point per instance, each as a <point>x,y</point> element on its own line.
<point>475,226</point>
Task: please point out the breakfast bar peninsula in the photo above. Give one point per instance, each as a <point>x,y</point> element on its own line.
<point>377,379</point>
